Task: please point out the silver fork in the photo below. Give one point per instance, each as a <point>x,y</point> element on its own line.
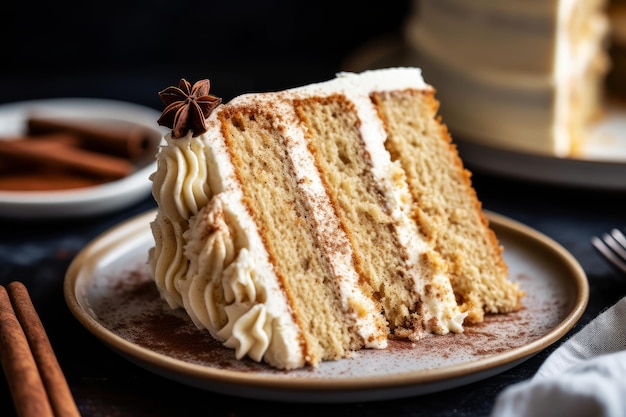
<point>613,247</point>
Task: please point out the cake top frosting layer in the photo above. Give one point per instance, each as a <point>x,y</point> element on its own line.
<point>364,83</point>
<point>189,107</point>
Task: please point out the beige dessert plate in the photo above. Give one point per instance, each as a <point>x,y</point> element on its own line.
<point>109,289</point>
<point>86,201</point>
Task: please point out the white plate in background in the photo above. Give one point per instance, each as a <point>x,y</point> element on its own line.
<point>85,201</point>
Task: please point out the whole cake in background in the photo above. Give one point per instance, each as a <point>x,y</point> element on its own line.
<point>520,75</point>
<point>302,225</point>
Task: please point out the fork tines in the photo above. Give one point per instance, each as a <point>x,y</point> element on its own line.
<point>613,247</point>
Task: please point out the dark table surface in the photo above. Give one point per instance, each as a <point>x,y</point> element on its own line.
<point>38,253</point>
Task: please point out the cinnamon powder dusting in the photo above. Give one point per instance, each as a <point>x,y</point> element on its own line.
<point>130,306</point>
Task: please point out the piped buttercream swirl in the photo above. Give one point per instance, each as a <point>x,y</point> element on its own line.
<point>181,181</point>
<point>209,259</point>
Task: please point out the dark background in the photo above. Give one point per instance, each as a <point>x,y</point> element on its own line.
<point>129,50</point>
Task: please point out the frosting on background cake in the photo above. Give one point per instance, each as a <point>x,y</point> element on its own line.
<point>302,225</point>
<point>518,75</point>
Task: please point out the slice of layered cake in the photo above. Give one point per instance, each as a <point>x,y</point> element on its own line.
<point>302,225</point>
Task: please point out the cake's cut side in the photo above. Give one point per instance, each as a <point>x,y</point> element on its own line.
<point>340,155</point>
<point>283,213</point>
<point>446,208</point>
<point>367,193</point>
<point>300,226</point>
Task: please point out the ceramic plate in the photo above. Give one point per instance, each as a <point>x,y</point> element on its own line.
<point>110,291</point>
<point>88,200</point>
<point>601,165</point>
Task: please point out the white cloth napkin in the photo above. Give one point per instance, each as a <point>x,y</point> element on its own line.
<point>585,376</point>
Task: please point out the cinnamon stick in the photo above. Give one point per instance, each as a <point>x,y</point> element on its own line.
<point>25,383</point>
<point>122,139</point>
<point>45,181</point>
<point>50,371</point>
<point>67,139</point>
<point>63,155</point>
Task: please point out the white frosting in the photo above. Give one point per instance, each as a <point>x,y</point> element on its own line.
<point>180,183</point>
<point>228,287</point>
<point>512,74</point>
<point>330,234</point>
<point>209,257</point>
<point>357,88</point>
<point>441,312</point>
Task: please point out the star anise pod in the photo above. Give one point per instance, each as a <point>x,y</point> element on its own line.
<point>187,107</point>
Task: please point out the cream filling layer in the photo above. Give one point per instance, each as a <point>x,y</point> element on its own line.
<point>440,314</point>
<point>328,230</point>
